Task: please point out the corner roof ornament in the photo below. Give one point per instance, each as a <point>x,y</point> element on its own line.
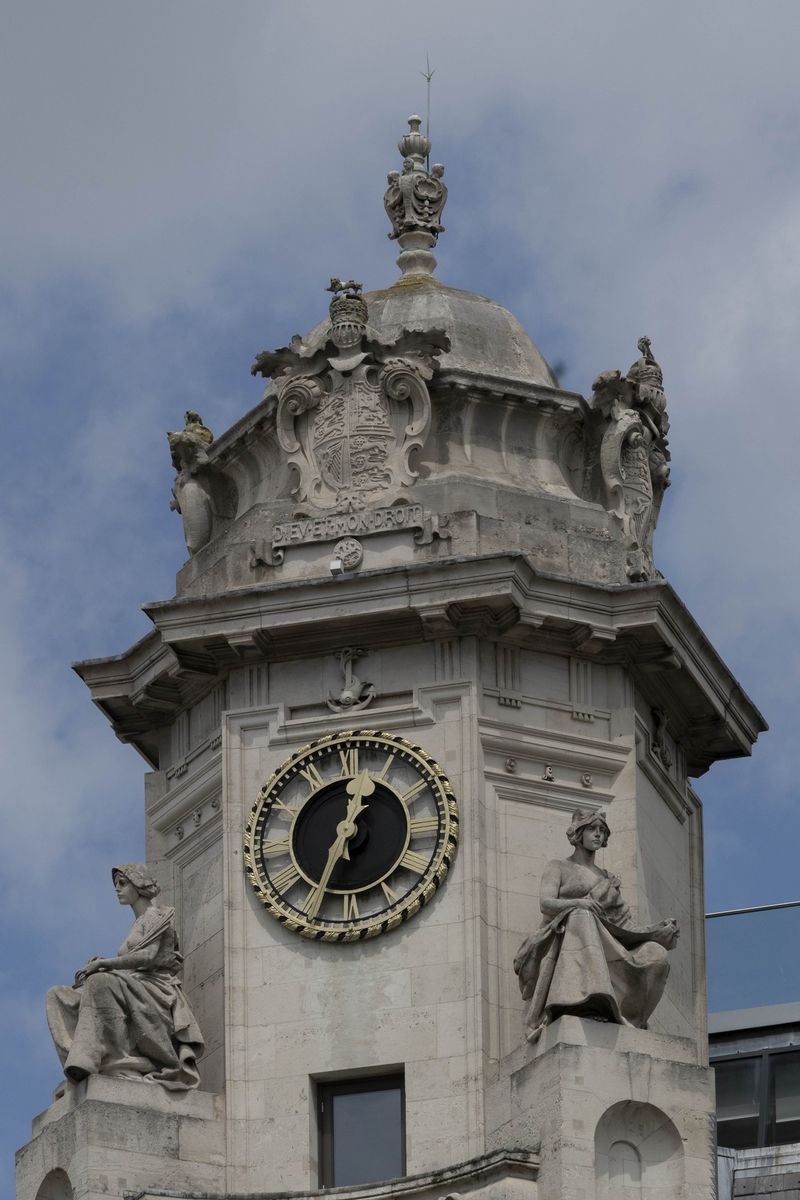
<point>414,202</point>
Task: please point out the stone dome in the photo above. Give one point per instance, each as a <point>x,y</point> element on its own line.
<point>485,339</point>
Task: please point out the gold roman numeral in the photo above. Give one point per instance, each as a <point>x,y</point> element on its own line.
<point>414,862</point>
<point>313,776</point>
<point>349,761</point>
<point>424,825</point>
<point>277,846</point>
<point>286,878</point>
<point>391,896</point>
<point>291,809</point>
<point>386,766</point>
<point>309,900</point>
<point>351,912</point>
<point>412,791</point>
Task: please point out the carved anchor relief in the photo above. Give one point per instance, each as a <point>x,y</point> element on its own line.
<point>355,694</point>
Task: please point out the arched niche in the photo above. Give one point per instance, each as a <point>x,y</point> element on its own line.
<point>55,1186</point>
<point>638,1153</point>
<point>624,1165</point>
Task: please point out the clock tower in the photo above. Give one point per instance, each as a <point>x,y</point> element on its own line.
<point>418,640</point>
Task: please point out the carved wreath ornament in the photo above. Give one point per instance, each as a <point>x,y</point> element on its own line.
<point>351,412</point>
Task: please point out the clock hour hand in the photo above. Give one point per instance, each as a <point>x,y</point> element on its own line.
<point>361,786</point>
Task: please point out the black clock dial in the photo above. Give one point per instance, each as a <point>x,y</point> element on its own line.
<point>381,836</point>
<point>351,836</point>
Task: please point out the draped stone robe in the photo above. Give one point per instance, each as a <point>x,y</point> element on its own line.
<point>134,1024</point>
<point>578,963</point>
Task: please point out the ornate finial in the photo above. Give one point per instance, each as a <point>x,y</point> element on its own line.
<point>414,202</point>
<point>348,314</point>
<point>415,145</point>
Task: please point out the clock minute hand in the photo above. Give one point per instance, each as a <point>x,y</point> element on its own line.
<point>345,830</point>
<point>334,854</point>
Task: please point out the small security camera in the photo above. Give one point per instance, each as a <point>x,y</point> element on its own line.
<point>336,567</point>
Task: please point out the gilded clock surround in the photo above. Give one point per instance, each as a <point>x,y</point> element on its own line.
<point>411,800</point>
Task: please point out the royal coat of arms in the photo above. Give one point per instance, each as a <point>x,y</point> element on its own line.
<point>352,408</point>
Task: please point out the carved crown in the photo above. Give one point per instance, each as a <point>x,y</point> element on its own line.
<point>348,311</point>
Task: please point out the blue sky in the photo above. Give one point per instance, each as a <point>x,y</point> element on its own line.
<point>181,178</point>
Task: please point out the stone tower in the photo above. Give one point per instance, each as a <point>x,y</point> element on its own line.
<point>419,626</point>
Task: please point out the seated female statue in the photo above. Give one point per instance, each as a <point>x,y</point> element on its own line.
<point>127,1016</point>
<point>587,958</point>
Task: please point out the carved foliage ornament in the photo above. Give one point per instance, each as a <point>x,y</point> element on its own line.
<point>633,453</point>
<point>351,413</point>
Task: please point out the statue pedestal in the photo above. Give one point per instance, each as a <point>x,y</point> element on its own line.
<point>114,1135</point>
<point>615,1112</point>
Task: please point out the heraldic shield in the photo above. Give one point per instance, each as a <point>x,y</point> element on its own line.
<point>352,438</point>
<point>350,433</point>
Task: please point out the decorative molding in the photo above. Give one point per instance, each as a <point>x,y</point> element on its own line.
<point>592,640</point>
<point>285,731</point>
<point>711,716</point>
<point>580,689</point>
<point>180,768</point>
<point>264,554</point>
<point>552,747</point>
<point>484,1174</point>
<point>541,758</point>
<point>524,789</point>
<point>194,844</point>
<point>435,620</point>
<point>507,675</point>
<point>194,790</point>
<point>447,658</point>
<point>675,796</point>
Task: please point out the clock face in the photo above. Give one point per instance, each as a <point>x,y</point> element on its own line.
<point>351,836</point>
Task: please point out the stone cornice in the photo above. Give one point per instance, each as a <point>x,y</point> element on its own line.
<point>498,387</point>
<point>644,627</point>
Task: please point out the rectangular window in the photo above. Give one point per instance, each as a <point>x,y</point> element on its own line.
<point>784,1099</point>
<point>738,1085</point>
<point>362,1134</point>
